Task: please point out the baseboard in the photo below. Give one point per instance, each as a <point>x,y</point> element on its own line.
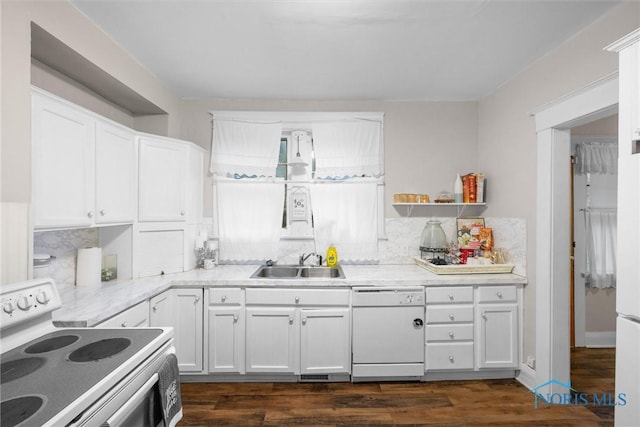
<point>527,377</point>
<point>600,339</point>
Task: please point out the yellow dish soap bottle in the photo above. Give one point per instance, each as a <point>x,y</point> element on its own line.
<point>332,256</point>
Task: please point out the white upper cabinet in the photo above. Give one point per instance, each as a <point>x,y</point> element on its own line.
<point>63,164</point>
<point>115,174</point>
<point>84,167</point>
<point>162,180</point>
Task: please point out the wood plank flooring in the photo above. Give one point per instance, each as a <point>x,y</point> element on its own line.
<point>442,403</point>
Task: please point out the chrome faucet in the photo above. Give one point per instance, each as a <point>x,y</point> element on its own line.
<point>303,258</point>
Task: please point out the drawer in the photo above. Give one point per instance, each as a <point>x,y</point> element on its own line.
<point>226,296</point>
<point>450,294</point>
<point>298,297</point>
<point>449,314</point>
<point>449,356</point>
<point>497,293</point>
<point>453,332</point>
<point>135,316</point>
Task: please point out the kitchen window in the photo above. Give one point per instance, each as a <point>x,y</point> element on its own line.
<point>336,196</point>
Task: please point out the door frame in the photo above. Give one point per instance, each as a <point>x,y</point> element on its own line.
<point>553,123</point>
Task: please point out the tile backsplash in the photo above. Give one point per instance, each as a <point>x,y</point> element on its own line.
<point>400,246</point>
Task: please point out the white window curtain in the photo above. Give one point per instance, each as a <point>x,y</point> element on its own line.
<point>249,219</point>
<point>601,225</point>
<point>244,147</point>
<point>596,157</point>
<point>345,214</point>
<point>348,148</point>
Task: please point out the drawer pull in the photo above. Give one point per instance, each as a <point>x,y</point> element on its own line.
<point>451,359</point>
<point>451,297</point>
<point>297,299</point>
<point>224,298</point>
<point>499,294</point>
<point>451,316</point>
<point>451,335</point>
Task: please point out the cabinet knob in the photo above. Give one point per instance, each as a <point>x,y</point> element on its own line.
<point>224,298</point>
<point>197,299</point>
<point>235,318</point>
<point>90,214</point>
<point>182,213</point>
<point>124,324</point>
<point>155,308</point>
<point>451,335</point>
<point>451,297</point>
<point>297,299</point>
<point>484,315</point>
<point>304,320</point>
<point>499,294</point>
<point>451,359</point>
<point>451,317</point>
<point>290,320</point>
<point>102,212</point>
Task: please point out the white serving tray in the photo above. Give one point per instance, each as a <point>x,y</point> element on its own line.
<point>463,268</point>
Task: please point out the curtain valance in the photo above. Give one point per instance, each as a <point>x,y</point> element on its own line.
<point>596,157</point>
<point>242,147</point>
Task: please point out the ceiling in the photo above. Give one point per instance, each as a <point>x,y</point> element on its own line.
<point>340,49</point>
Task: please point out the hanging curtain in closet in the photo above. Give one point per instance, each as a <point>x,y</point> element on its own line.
<point>345,214</point>
<point>348,148</point>
<point>601,227</point>
<point>596,157</point>
<point>244,148</point>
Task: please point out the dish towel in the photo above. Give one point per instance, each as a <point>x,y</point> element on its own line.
<point>169,386</point>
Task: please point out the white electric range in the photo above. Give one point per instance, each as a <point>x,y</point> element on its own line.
<point>74,376</point>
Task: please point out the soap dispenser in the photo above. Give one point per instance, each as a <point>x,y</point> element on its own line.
<point>332,256</point>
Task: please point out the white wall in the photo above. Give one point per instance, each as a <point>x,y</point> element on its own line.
<point>507,138</point>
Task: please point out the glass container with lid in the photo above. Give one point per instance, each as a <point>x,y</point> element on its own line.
<point>433,241</point>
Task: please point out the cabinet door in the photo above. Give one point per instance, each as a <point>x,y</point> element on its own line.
<point>162,310</point>
<point>497,335</point>
<point>189,309</point>
<point>325,341</point>
<point>162,180</point>
<point>226,339</point>
<point>63,165</point>
<point>271,344</point>
<point>195,185</point>
<point>116,178</point>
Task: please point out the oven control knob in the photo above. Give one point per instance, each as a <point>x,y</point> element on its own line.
<point>43,297</point>
<point>24,303</point>
<point>8,307</point>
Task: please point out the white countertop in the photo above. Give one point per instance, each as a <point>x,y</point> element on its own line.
<point>88,306</point>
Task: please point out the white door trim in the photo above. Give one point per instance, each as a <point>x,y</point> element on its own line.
<point>553,123</point>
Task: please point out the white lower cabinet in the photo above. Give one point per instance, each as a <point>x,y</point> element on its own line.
<point>225,330</point>
<point>272,340</point>
<point>472,328</point>
<point>325,341</point>
<point>298,331</point>
<point>182,309</point>
<point>497,327</point>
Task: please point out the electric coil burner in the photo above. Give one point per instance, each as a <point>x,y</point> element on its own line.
<point>71,376</point>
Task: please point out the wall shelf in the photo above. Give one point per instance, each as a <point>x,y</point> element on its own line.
<point>460,207</point>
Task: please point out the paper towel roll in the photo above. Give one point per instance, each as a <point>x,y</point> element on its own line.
<point>89,266</point>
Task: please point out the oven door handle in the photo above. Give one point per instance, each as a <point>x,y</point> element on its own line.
<point>121,414</point>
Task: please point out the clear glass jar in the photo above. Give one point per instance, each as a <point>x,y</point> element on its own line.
<point>433,238</point>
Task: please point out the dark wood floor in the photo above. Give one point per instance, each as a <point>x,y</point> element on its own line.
<point>450,403</point>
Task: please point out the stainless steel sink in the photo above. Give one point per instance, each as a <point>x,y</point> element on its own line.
<point>297,272</point>
<point>323,272</point>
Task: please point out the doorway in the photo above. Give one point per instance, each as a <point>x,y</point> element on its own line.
<point>594,195</point>
<point>553,123</point>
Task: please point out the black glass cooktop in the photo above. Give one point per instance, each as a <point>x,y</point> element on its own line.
<point>61,370</point>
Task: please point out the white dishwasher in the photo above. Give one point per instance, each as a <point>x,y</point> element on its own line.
<point>388,333</point>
